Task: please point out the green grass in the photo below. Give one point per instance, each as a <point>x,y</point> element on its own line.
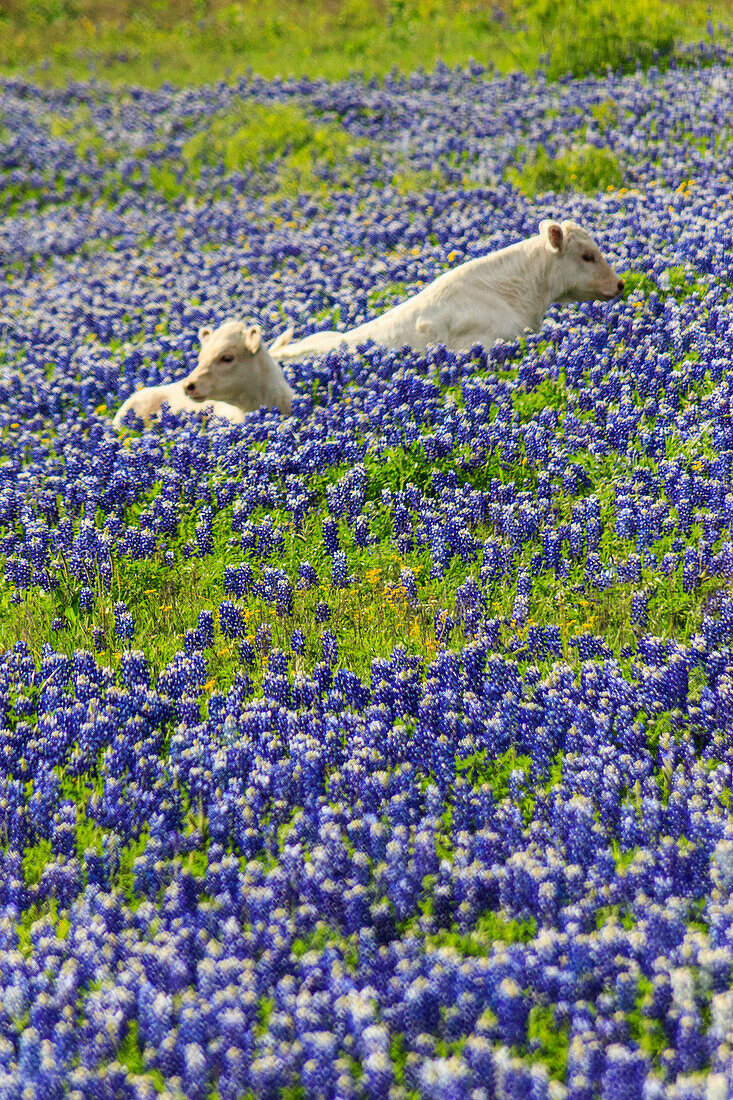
<point>384,297</point>
<point>592,35</point>
<point>80,129</point>
<point>585,168</point>
<point>196,41</point>
<point>307,156</point>
<point>46,913</point>
<point>548,1043</point>
<point>490,928</point>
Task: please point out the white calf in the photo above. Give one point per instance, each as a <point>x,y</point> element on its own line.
<point>495,297</point>
<point>235,375</point>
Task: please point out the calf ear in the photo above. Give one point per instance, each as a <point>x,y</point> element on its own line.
<point>252,338</point>
<point>204,334</point>
<point>553,235</point>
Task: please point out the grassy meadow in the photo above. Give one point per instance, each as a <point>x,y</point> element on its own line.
<point>209,40</point>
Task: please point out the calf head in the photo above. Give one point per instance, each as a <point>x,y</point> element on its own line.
<point>228,365</point>
<point>578,273</point>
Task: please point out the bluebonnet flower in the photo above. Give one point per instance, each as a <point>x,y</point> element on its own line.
<point>340,574</point>
<point>238,579</point>
<point>86,598</point>
<point>192,641</point>
<point>231,619</point>
<point>204,537</point>
<point>307,575</point>
<point>330,647</point>
<point>322,612</point>
<point>443,625</point>
<point>124,622</point>
<point>362,533</point>
<point>330,535</point>
<point>206,628</point>
<point>625,1073</point>
<point>639,608</point>
<point>284,598</point>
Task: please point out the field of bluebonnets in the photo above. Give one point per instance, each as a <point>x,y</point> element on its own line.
<point>384,751</point>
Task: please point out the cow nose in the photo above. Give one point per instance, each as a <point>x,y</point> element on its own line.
<point>620,285</point>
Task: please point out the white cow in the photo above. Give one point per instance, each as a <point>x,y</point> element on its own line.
<point>495,297</point>
<point>235,375</point>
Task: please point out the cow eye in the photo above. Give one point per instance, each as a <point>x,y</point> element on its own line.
<point>589,257</point>
<point>226,358</point>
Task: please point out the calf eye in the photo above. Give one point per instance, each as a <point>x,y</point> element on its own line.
<point>226,358</point>
<point>589,257</point>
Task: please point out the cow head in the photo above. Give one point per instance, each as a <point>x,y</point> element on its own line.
<point>226,362</point>
<point>580,273</point>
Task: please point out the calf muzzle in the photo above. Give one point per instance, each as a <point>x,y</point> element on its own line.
<point>189,389</point>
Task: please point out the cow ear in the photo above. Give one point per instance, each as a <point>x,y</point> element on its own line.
<point>204,334</point>
<point>552,234</point>
<point>252,338</point>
